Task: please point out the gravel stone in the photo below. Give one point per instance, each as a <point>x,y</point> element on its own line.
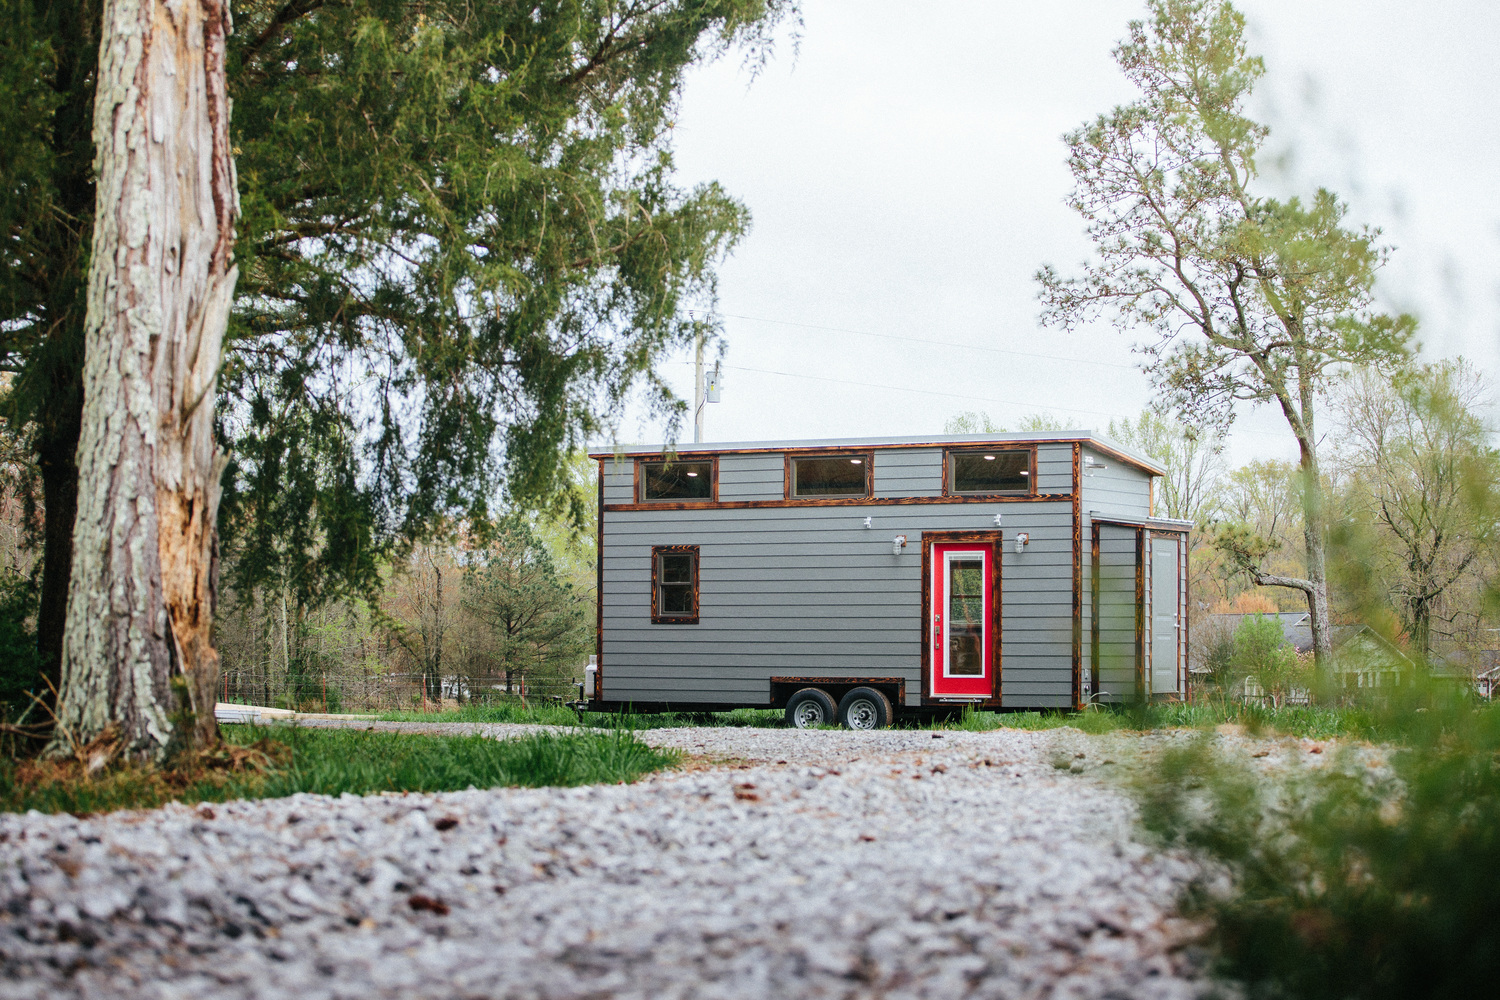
<point>779,863</point>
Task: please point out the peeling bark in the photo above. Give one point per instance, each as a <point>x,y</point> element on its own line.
<point>143,584</point>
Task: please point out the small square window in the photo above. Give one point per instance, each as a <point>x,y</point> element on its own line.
<point>674,585</point>
<point>692,482</point>
<point>994,471</point>
<point>830,476</point>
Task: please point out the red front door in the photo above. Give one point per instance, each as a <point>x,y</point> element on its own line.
<point>961,631</point>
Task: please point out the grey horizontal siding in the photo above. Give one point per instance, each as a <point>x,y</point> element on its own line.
<point>619,481</point>
<point>752,477</point>
<point>1054,468</point>
<point>809,590</point>
<point>914,472</point>
<point>1116,489</point>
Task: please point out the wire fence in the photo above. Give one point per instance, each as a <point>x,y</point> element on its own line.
<point>380,691</point>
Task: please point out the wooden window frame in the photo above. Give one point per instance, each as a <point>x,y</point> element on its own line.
<point>788,482</point>
<point>657,551</point>
<point>948,471</point>
<point>640,481</point>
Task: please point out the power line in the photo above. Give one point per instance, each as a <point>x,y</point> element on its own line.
<point>950,395</point>
<point>903,388</point>
<point>936,343</point>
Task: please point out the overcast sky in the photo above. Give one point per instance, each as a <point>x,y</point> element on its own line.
<point>906,176</point>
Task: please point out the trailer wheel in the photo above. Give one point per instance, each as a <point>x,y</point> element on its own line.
<point>809,708</point>
<point>865,708</point>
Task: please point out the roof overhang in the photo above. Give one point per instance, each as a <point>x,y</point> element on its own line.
<point>1089,439</point>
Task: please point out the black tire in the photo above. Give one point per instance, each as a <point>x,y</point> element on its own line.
<point>865,708</point>
<point>809,708</point>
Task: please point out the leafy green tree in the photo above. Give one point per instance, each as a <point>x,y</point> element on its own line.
<point>464,251</point>
<point>461,250</point>
<point>1193,459</point>
<point>1260,652</point>
<point>48,58</point>
<point>536,621</point>
<point>971,422</point>
<point>20,664</point>
<point>1250,299</point>
<point>1424,471</point>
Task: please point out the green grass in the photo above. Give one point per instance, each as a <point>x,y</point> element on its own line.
<point>541,714</point>
<point>1301,721</point>
<point>271,762</point>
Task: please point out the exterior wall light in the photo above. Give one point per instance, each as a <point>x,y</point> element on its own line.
<point>897,544</point>
<point>1022,540</point>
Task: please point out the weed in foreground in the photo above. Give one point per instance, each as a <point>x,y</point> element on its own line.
<point>1348,880</point>
<point>271,762</point>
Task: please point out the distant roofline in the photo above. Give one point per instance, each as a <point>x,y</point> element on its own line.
<point>1096,441</point>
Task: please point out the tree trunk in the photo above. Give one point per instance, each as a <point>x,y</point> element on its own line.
<point>137,651</point>
<point>1317,575</point>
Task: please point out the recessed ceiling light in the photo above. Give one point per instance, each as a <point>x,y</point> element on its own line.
<point>1025,473</point>
<point>989,458</point>
<point>856,461</point>
<point>692,473</point>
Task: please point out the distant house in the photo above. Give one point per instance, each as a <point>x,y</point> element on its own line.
<point>1479,667</point>
<point>1363,658</point>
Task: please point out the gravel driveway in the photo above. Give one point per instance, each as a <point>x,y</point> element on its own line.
<point>780,864</point>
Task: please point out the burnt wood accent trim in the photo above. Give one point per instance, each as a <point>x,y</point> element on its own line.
<point>1140,614</point>
<point>640,495</point>
<point>1095,680</point>
<point>657,551</point>
<point>598,692</point>
<point>1093,444</point>
<point>841,502</point>
<point>1077,573</point>
<point>1151,497</point>
<point>898,682</point>
<point>1120,522</point>
<point>786,475</point>
<point>1031,487</point>
<point>997,549</point>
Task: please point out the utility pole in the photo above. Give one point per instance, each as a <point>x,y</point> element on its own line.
<point>699,399</point>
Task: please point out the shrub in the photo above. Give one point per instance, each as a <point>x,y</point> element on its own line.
<point>1349,881</point>
<point>1260,652</point>
<point>20,663</point>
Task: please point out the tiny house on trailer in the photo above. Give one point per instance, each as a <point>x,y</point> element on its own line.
<point>854,580</point>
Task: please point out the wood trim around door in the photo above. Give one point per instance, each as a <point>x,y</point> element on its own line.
<point>993,540</point>
<point>1140,615</point>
